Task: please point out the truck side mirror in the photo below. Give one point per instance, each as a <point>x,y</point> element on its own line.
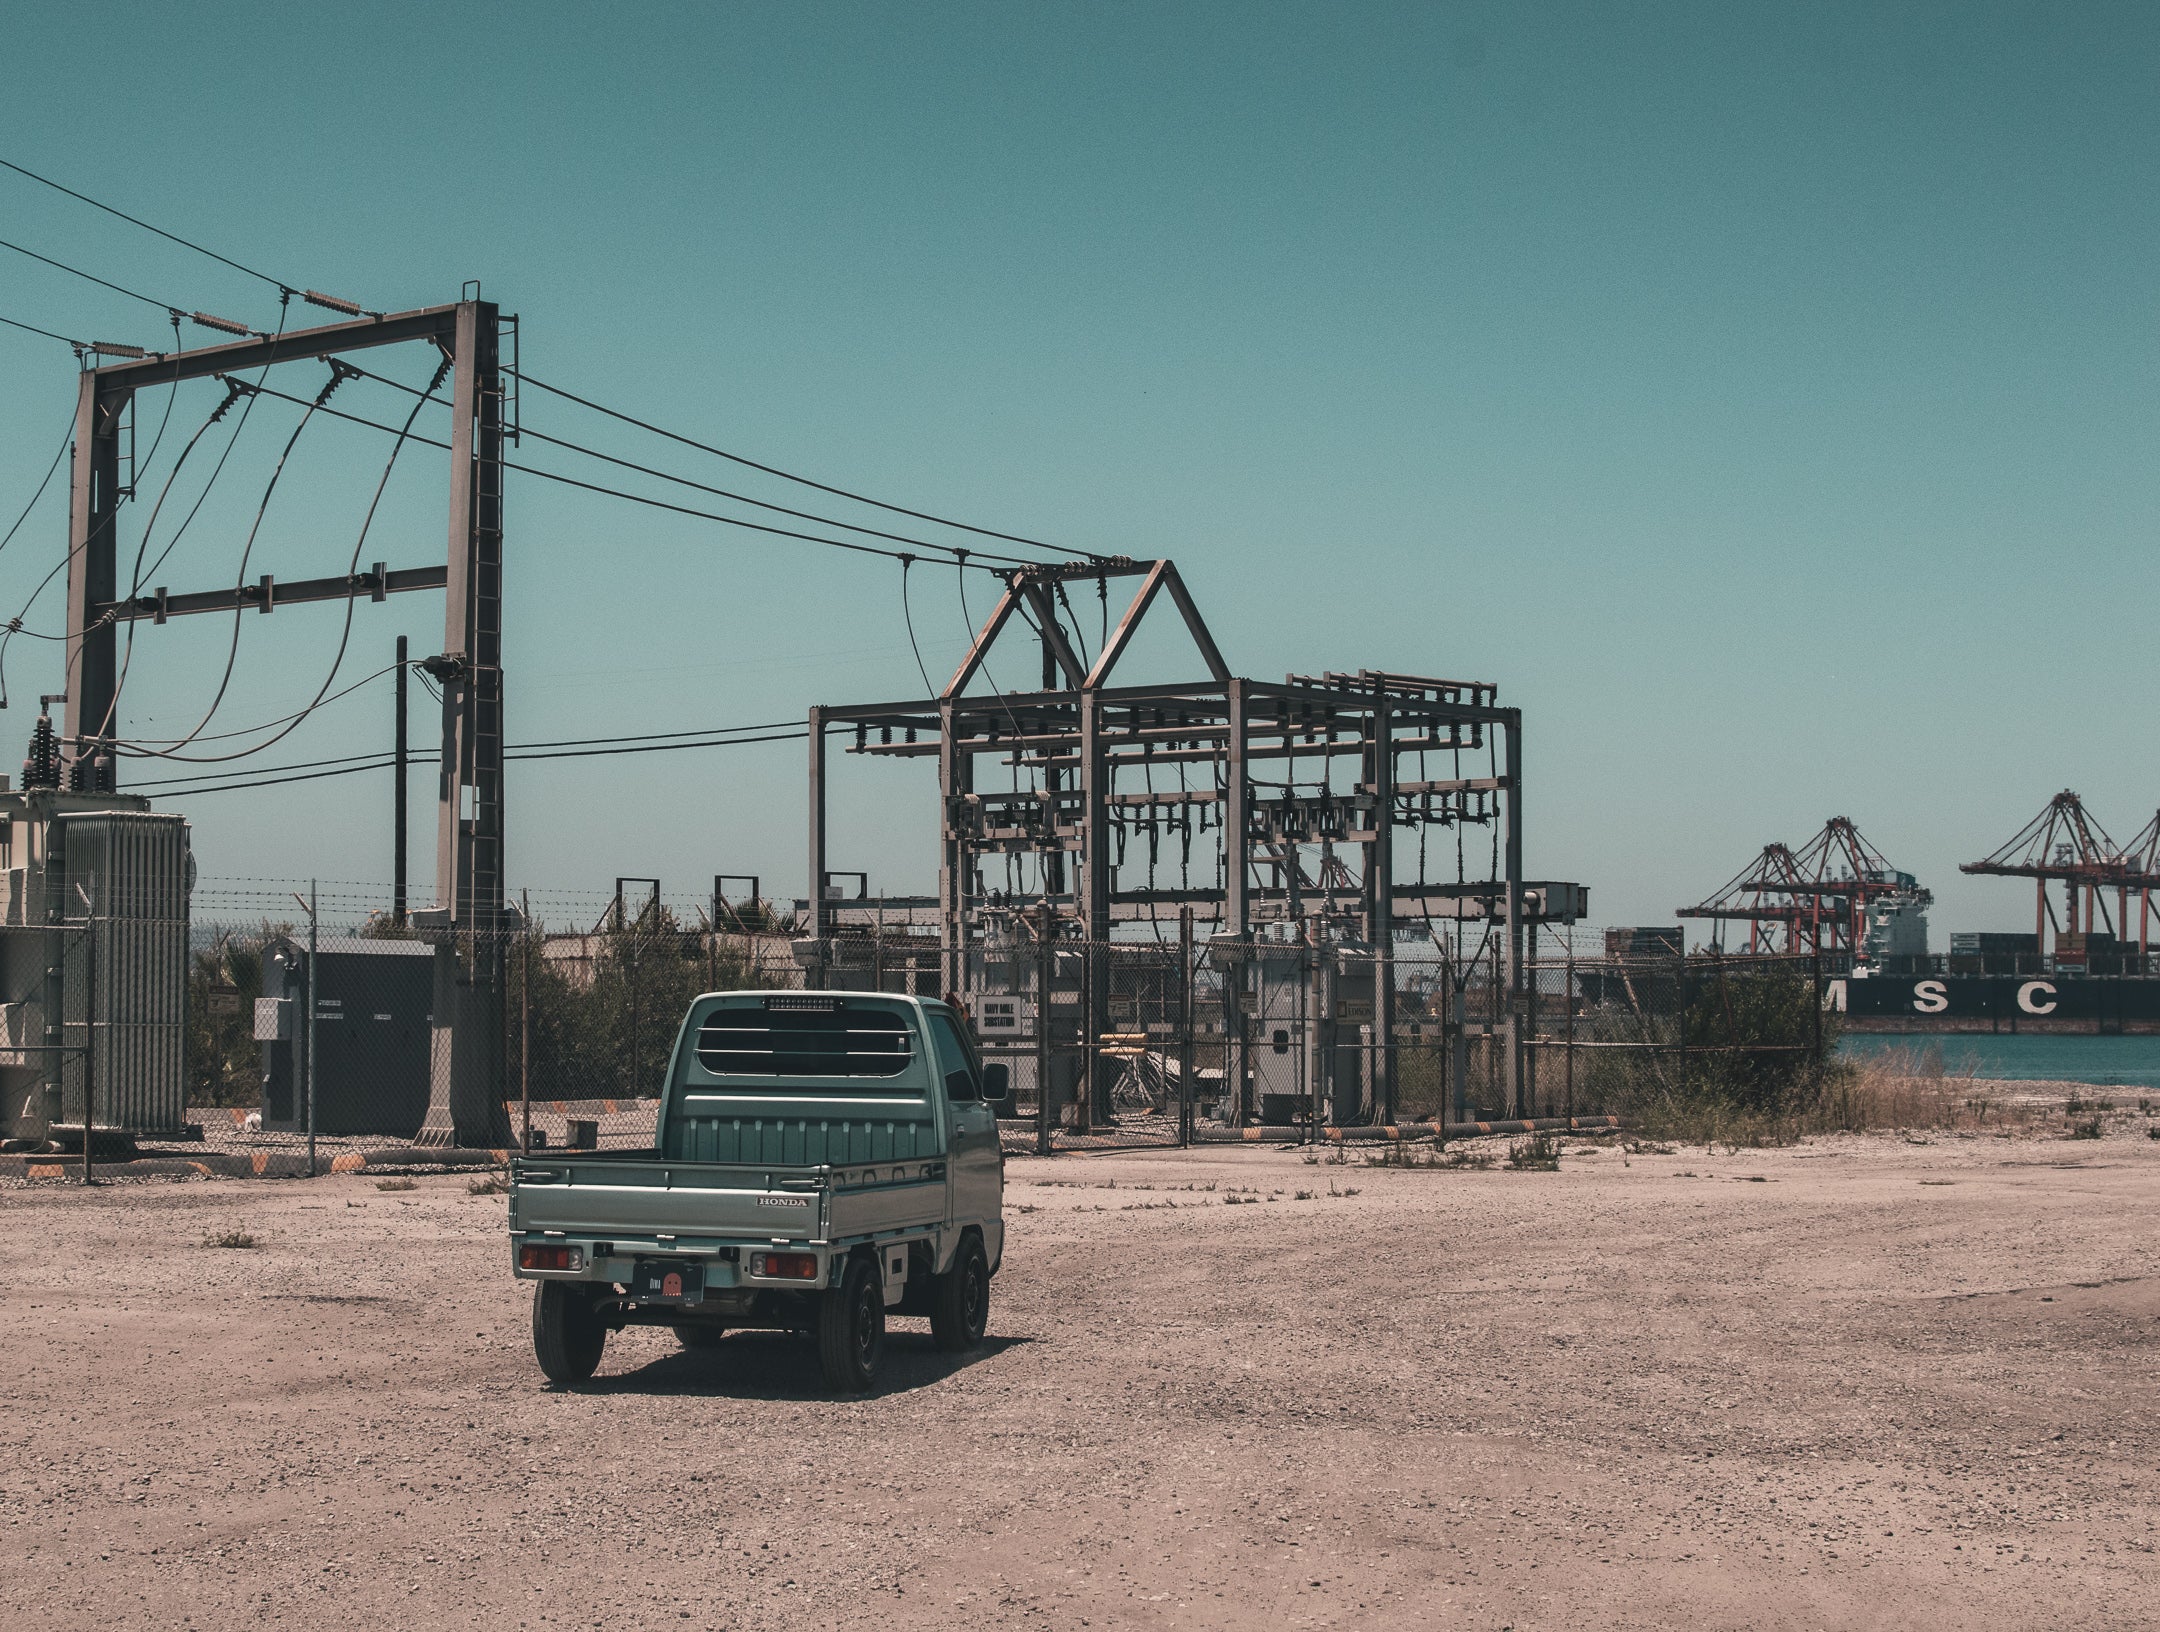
<point>997,1082</point>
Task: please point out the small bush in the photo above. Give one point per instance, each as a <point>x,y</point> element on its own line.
<point>237,1240</point>
<point>395,1184</point>
<point>1540,1153</point>
<point>2087,1129</point>
<point>494,1184</point>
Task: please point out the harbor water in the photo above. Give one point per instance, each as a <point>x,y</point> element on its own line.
<point>2105,1061</point>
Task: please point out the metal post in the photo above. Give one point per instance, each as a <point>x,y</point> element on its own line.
<point>525,1026</point>
<point>956,780</point>
<point>1095,868</point>
<point>398,795</point>
<point>90,1000</point>
<point>1045,983</point>
<point>92,579</point>
<point>1314,1001</point>
<point>1380,887</point>
<point>1185,1024</point>
<point>1237,899</point>
<point>311,1007</point>
<point>1459,1049</point>
<point>1530,1048</point>
<point>466,1105</point>
<point>814,966</point>
<point>1568,1049</point>
<point>1512,1085</point>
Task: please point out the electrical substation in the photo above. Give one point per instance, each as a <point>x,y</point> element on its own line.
<point>1288,837</point>
<point>1082,822</point>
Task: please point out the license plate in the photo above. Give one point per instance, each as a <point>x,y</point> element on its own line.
<point>670,1279</point>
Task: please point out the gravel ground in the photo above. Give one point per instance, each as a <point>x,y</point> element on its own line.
<point>1864,1382</point>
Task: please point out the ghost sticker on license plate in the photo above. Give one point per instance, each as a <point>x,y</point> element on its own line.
<point>676,1280</point>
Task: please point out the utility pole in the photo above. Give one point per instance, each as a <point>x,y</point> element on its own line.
<point>397,817</point>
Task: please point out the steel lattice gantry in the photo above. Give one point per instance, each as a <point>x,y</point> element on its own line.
<point>469,919</point>
<point>2063,843</point>
<point>1294,794</point>
<point>1816,898</point>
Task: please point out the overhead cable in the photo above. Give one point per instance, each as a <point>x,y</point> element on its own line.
<point>247,550</point>
<point>312,297</point>
<point>702,487</point>
<point>137,744</point>
<point>379,762</point>
<point>44,482</point>
<point>31,328</point>
<point>224,325</point>
<point>962,557</point>
<point>337,658</point>
<point>774,470</point>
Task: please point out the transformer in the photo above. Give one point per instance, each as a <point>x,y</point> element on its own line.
<point>94,894</point>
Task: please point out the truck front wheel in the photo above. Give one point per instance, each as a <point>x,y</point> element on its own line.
<point>851,1327</point>
<point>567,1335</point>
<point>960,1301</point>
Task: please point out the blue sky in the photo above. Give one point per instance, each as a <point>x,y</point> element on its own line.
<point>1764,396</point>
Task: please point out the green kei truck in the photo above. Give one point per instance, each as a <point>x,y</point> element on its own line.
<point>820,1158</point>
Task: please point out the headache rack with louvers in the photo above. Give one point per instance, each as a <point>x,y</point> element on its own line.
<point>795,1040</point>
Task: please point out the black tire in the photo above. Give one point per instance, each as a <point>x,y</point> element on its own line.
<point>702,1338</point>
<point>851,1328</point>
<point>960,1299</point>
<point>567,1335</point>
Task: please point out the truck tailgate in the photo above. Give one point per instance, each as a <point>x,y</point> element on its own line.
<point>586,1197</point>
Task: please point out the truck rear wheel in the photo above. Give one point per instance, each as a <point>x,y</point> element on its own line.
<point>567,1335</point>
<point>851,1328</point>
<point>960,1301</point>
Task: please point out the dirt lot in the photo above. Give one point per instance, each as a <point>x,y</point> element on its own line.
<point>1863,1382</point>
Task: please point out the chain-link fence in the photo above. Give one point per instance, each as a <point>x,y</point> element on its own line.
<point>308,1029</point>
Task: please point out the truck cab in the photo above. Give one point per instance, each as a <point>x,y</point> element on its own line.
<point>819,1159</point>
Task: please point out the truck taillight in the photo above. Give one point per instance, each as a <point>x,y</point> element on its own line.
<point>786,1266</point>
<point>533,1257</point>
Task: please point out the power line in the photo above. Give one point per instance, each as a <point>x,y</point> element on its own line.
<point>79,345</point>
<point>660,736</point>
<point>173,237</point>
<point>65,441</point>
<point>206,320</point>
<point>719,735</point>
<point>702,487</point>
<point>179,788</point>
<point>133,745</point>
<point>132,294</point>
<point>773,470</point>
<point>232,651</point>
<point>337,659</point>
<point>964,558</point>
<point>908,612</point>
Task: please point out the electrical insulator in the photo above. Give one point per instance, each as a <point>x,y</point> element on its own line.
<point>224,325</point>
<point>42,768</point>
<point>332,303</point>
<point>114,348</point>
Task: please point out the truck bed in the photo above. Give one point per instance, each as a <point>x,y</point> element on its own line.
<point>643,1198</point>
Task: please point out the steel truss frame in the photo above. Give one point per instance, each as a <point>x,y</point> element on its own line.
<point>1084,746</point>
<point>470,917</point>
